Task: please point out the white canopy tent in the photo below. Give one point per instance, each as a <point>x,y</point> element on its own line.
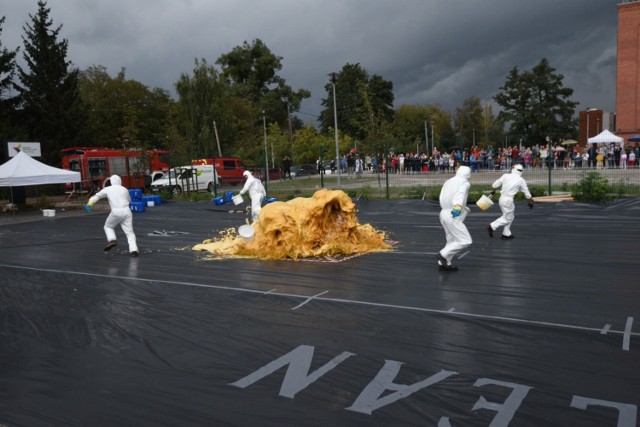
<point>605,137</point>
<point>23,170</point>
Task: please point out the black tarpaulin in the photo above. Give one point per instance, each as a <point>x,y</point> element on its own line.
<point>541,330</point>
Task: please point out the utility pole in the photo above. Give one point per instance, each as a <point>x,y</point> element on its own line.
<point>215,131</point>
<point>266,153</point>
<point>335,125</point>
<point>426,138</point>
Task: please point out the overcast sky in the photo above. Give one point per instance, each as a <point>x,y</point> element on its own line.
<point>433,51</point>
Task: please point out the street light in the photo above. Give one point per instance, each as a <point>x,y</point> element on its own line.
<point>433,141</point>
<point>426,138</point>
<point>335,124</point>
<point>588,110</point>
<point>266,152</point>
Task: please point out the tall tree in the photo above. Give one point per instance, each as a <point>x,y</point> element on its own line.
<point>122,112</point>
<point>410,122</point>
<point>48,89</point>
<point>467,121</point>
<point>363,103</point>
<point>203,100</point>
<point>535,104</point>
<point>252,72</point>
<point>7,99</point>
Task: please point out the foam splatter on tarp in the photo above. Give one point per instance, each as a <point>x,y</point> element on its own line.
<point>324,225</point>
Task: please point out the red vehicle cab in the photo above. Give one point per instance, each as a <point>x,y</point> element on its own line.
<point>96,164</point>
<point>228,169</point>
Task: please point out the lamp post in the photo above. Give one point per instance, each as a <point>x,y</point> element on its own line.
<point>335,125</point>
<point>433,140</point>
<point>266,152</point>
<point>290,127</point>
<point>588,111</point>
<point>426,138</point>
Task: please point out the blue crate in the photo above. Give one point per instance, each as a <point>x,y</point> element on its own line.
<point>136,194</point>
<point>148,201</point>
<point>137,206</point>
<point>157,198</point>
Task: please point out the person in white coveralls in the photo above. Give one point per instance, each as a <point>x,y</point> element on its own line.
<point>256,191</point>
<point>511,184</point>
<point>119,199</point>
<point>454,210</point>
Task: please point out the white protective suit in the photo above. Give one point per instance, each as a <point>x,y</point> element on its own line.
<point>119,199</point>
<point>511,184</point>
<point>256,192</point>
<point>454,193</point>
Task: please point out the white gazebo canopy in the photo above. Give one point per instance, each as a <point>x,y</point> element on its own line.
<point>24,170</point>
<point>605,137</point>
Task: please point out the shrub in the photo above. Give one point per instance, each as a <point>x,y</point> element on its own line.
<point>592,188</point>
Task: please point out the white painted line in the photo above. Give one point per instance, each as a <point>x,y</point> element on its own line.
<point>271,291</point>
<point>451,310</point>
<point>339,300</point>
<point>308,299</point>
<point>627,334</point>
<point>605,329</point>
<point>462,255</point>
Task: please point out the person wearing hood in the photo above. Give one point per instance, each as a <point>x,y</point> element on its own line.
<point>454,210</point>
<point>511,184</point>
<point>256,191</point>
<point>119,199</point>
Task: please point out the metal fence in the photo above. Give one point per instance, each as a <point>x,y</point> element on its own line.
<point>414,182</point>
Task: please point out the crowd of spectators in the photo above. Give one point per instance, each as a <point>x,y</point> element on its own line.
<point>498,159</point>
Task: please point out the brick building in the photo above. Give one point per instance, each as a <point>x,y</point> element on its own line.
<point>593,121</point>
<point>628,70</point>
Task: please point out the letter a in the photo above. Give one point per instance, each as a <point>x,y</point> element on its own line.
<point>297,377</point>
<point>369,400</point>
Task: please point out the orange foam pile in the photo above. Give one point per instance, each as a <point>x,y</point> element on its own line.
<point>323,225</point>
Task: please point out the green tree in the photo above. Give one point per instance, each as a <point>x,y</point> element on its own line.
<point>410,122</point>
<point>492,128</point>
<point>467,121</point>
<point>7,99</point>
<point>203,100</point>
<point>124,113</point>
<point>48,89</point>
<point>309,143</point>
<point>252,73</point>
<point>363,103</point>
<point>535,104</point>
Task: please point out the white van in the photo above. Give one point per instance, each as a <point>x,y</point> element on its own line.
<point>187,178</point>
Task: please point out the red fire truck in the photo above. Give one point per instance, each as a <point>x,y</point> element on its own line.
<point>96,164</point>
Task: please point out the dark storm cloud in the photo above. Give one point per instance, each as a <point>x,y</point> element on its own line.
<point>434,51</point>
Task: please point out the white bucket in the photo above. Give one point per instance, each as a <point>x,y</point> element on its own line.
<point>151,203</point>
<point>246,232</point>
<point>237,199</point>
<point>49,212</point>
<point>484,202</point>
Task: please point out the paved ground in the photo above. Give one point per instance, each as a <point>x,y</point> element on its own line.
<point>537,331</point>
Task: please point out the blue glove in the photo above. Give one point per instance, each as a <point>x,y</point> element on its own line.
<point>88,208</point>
<point>456,213</point>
